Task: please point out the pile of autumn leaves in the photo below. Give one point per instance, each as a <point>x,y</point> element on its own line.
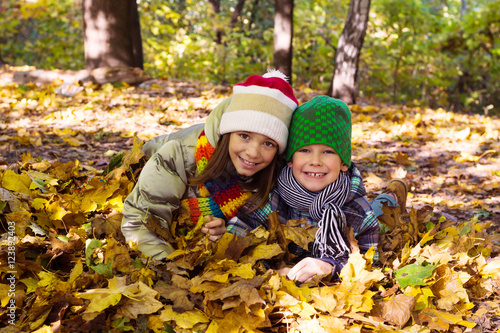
<point>74,272</point>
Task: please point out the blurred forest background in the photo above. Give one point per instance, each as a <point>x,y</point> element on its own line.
<point>427,101</point>
<point>436,53</point>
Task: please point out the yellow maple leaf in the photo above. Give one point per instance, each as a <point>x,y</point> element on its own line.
<point>333,324</point>
<point>491,269</point>
<point>4,294</point>
<point>22,220</point>
<point>97,194</point>
<point>140,300</point>
<point>355,269</point>
<point>16,183</point>
<point>186,320</point>
<point>38,203</point>
<point>15,204</point>
<point>422,296</point>
<point>74,141</point>
<point>441,320</point>
<point>262,251</point>
<point>449,287</point>
<point>287,301</point>
<point>55,209</point>
<point>310,326</point>
<point>324,299</point>
<point>103,298</point>
<point>30,283</point>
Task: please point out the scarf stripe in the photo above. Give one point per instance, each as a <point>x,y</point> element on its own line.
<point>219,199</point>
<point>323,206</point>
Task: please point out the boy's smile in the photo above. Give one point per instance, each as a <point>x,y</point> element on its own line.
<point>316,166</point>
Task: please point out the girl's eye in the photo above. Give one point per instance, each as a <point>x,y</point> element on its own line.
<point>244,136</point>
<point>269,144</point>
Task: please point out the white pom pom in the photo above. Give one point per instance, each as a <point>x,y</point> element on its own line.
<point>275,73</point>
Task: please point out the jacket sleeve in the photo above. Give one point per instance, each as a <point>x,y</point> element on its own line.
<point>159,189</point>
<point>364,224</point>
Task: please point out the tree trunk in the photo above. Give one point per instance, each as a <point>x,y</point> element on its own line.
<point>112,34</point>
<point>349,47</point>
<point>283,35</point>
<point>217,30</point>
<point>253,14</point>
<point>463,9</point>
<point>237,12</point>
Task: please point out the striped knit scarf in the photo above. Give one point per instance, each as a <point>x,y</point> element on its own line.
<point>324,207</point>
<point>219,199</point>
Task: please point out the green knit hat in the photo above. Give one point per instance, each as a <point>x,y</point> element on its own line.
<point>321,120</point>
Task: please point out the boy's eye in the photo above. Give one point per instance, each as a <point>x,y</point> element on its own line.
<point>303,150</point>
<point>330,152</point>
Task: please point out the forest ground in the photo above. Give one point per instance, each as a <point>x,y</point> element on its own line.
<point>450,160</point>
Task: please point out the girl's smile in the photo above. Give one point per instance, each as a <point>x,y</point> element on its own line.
<point>251,152</point>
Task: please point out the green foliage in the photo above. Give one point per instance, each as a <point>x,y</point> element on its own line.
<point>426,52</point>
<point>180,40</point>
<point>46,34</point>
<point>413,275</point>
<point>317,28</point>
<point>417,52</point>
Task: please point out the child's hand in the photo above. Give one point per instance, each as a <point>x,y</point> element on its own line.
<point>284,270</point>
<point>215,227</point>
<point>305,269</point>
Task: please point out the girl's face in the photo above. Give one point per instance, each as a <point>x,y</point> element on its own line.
<point>251,152</point>
<point>316,166</point>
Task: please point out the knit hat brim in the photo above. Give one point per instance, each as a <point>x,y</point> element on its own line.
<point>258,122</point>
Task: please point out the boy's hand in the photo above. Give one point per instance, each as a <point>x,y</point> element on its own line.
<point>215,227</point>
<point>284,270</point>
<point>305,269</point>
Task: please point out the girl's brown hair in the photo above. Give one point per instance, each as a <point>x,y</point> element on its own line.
<point>221,168</point>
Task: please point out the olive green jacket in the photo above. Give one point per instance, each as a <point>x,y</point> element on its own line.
<point>162,183</point>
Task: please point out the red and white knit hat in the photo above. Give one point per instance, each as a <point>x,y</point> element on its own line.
<point>261,104</point>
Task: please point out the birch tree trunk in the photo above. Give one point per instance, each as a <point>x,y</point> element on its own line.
<point>349,47</point>
<point>283,35</point>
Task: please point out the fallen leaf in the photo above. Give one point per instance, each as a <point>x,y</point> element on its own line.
<point>397,311</point>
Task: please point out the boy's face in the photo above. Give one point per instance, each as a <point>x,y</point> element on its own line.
<point>316,166</point>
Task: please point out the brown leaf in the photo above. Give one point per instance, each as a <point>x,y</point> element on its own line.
<point>111,226</point>
<point>242,288</point>
<point>115,251</point>
<point>140,300</point>
<point>236,247</point>
<point>154,224</point>
<point>178,296</point>
<point>398,310</point>
<point>276,232</point>
<point>301,233</point>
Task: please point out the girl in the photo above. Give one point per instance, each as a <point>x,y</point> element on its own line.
<point>211,170</point>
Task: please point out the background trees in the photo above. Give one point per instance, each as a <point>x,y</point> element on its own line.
<point>112,34</point>
<point>348,51</point>
<point>423,52</point>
